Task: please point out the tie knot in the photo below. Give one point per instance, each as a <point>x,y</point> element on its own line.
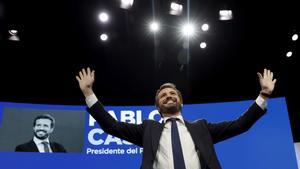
<point>173,119</point>
<point>45,143</point>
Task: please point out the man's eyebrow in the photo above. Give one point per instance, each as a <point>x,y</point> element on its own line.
<point>163,93</point>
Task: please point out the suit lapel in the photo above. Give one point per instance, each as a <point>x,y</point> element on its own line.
<point>33,146</point>
<point>196,136</point>
<point>52,147</point>
<point>156,132</point>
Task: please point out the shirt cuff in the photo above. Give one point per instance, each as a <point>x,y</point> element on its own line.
<point>91,100</point>
<point>261,102</point>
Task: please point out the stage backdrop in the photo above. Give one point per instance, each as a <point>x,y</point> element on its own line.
<point>268,144</point>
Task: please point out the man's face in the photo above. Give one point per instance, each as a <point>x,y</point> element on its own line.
<point>42,128</point>
<point>169,102</point>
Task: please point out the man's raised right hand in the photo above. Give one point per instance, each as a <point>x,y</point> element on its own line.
<point>86,79</point>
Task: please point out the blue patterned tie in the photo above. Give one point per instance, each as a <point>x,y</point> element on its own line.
<point>176,146</point>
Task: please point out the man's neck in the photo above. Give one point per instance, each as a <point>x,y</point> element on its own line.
<point>38,139</point>
<point>171,114</point>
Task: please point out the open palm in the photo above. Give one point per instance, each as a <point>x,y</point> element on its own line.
<point>86,79</point>
<point>267,83</point>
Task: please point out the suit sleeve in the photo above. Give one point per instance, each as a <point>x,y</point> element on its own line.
<point>129,132</point>
<point>227,129</point>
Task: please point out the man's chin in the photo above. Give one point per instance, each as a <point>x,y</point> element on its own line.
<point>41,137</point>
<point>171,110</point>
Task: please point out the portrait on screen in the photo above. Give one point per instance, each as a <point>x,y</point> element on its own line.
<point>41,130</point>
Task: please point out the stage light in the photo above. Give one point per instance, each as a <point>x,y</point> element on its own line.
<point>188,30</point>
<point>13,35</point>
<point>175,8</point>
<point>295,37</point>
<point>103,17</point>
<point>13,32</point>
<point>126,4</point>
<point>225,14</point>
<point>202,45</point>
<point>205,27</point>
<point>154,26</point>
<point>289,54</point>
<point>104,37</point>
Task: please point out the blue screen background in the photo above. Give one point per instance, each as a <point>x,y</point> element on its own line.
<point>267,145</point>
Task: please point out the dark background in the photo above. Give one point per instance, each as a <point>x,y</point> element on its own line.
<point>59,37</point>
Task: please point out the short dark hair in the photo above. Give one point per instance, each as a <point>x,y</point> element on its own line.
<point>167,85</point>
<point>44,116</point>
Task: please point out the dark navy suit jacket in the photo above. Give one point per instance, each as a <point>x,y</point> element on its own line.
<point>203,133</point>
<point>31,147</point>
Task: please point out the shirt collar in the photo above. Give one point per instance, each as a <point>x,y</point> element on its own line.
<point>39,141</point>
<point>178,117</point>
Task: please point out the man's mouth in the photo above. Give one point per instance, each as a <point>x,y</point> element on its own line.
<point>41,131</point>
<point>170,101</point>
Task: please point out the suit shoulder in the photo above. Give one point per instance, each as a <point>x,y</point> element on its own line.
<point>24,146</point>
<point>198,121</point>
<point>149,121</point>
<point>19,147</point>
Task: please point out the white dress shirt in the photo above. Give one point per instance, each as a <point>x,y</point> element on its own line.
<point>39,144</point>
<point>164,155</point>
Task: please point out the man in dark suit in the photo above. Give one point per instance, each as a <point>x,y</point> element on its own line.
<point>43,126</point>
<point>176,143</point>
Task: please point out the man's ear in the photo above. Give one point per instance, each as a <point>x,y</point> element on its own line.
<point>51,130</point>
<point>158,109</point>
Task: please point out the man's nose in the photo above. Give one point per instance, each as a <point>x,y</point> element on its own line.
<point>42,127</point>
<point>169,96</point>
